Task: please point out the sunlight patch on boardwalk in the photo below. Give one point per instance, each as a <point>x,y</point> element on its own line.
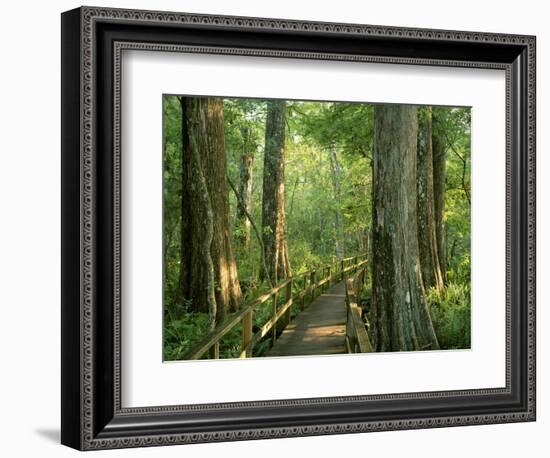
<point>319,330</point>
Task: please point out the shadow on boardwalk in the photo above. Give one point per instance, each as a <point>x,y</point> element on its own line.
<point>318,330</point>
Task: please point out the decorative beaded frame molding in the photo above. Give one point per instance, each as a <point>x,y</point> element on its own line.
<point>81,366</point>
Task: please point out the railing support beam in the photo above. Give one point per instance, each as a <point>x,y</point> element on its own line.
<point>288,298</point>
<point>313,284</point>
<point>247,333</point>
<point>274,332</point>
<point>215,351</point>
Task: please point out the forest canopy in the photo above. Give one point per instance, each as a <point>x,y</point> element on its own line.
<point>257,192</point>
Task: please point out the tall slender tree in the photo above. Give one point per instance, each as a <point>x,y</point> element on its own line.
<point>338,214</point>
<point>439,176</point>
<point>208,272</point>
<point>246,164</point>
<point>427,240</point>
<point>273,198</point>
<point>400,315</point>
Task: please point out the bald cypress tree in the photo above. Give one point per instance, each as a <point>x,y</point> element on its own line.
<point>425,195</point>
<point>246,164</point>
<point>399,315</point>
<point>439,174</point>
<point>208,272</point>
<point>273,198</point>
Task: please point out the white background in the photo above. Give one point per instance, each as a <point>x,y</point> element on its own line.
<point>30,245</point>
<point>147,75</point>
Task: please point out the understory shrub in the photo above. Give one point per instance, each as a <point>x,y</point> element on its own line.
<point>450,312</point>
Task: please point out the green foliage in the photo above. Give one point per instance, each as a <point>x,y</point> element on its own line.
<point>450,309</point>
<point>315,128</point>
<point>244,133</point>
<point>172,165</point>
<point>181,333</point>
<point>450,313</point>
<point>314,131</point>
<point>453,125</point>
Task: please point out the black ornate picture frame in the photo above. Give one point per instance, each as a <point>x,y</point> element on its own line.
<point>92,42</point>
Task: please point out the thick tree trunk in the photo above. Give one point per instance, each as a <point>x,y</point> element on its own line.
<point>273,199</point>
<point>338,216</point>
<point>427,241</point>
<point>400,316</point>
<point>245,188</point>
<point>208,269</point>
<point>439,174</point>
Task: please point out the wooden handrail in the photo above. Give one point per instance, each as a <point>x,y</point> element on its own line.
<point>214,336</point>
<point>264,297</point>
<point>247,351</point>
<point>245,315</point>
<point>357,337</point>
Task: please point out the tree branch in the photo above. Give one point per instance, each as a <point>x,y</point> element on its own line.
<point>258,236</point>
<point>450,145</point>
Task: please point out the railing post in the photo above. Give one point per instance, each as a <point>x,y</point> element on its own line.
<point>329,279</point>
<point>247,333</point>
<point>215,351</point>
<point>274,329</point>
<point>355,263</point>
<point>303,292</point>
<point>312,285</point>
<point>348,324</point>
<point>342,269</point>
<point>288,297</point>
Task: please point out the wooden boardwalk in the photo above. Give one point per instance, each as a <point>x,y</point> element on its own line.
<point>327,326</point>
<point>320,329</point>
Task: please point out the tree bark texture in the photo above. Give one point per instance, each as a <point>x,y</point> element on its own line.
<point>208,269</point>
<point>245,187</point>
<point>273,199</point>
<point>338,216</point>
<point>439,174</point>
<point>427,241</point>
<point>399,315</point>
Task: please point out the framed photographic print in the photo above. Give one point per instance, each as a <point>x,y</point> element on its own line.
<point>277,228</point>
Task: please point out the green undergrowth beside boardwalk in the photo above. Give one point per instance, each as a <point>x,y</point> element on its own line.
<point>450,311</point>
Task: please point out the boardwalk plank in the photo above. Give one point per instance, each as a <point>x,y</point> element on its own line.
<point>318,330</point>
